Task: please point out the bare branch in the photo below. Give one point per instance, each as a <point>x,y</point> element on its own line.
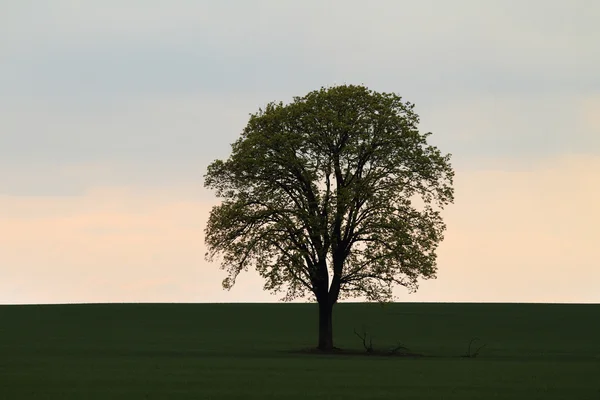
<point>363,338</point>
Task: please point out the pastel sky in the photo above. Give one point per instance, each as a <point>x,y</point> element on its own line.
<point>111,110</point>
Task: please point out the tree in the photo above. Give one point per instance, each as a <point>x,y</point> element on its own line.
<point>335,194</point>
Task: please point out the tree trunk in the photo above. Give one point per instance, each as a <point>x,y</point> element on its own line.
<point>325,325</point>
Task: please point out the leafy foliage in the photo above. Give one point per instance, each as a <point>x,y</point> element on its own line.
<point>336,194</point>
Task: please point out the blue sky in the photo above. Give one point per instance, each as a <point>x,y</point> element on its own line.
<point>124,103</point>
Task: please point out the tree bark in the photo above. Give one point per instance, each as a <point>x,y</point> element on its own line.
<point>325,325</point>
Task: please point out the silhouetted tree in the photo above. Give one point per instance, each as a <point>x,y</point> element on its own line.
<point>335,194</point>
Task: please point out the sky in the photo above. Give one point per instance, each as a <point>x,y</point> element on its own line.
<point>111,110</point>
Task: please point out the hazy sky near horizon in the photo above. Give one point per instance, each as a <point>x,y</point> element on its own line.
<point>110,112</point>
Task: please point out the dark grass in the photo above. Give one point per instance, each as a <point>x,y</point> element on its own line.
<point>254,351</point>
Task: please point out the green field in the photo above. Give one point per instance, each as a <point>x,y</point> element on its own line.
<point>246,351</point>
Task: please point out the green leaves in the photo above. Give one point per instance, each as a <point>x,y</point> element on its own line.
<point>319,195</point>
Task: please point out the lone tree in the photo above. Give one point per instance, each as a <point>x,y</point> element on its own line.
<point>335,194</point>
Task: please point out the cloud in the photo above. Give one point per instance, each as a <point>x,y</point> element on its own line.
<point>588,118</point>
<point>522,235</point>
<point>109,245</point>
<point>128,130</point>
<point>186,47</point>
<point>142,95</point>
<point>53,149</point>
<point>513,235</point>
<point>165,89</point>
<point>519,130</point>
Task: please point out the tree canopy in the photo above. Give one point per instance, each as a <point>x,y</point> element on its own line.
<point>336,194</point>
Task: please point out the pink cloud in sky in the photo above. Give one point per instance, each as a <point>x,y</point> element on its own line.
<point>529,235</point>
<point>520,235</point>
<point>109,245</point>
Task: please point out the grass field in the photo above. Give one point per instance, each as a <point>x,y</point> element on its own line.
<point>245,351</point>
